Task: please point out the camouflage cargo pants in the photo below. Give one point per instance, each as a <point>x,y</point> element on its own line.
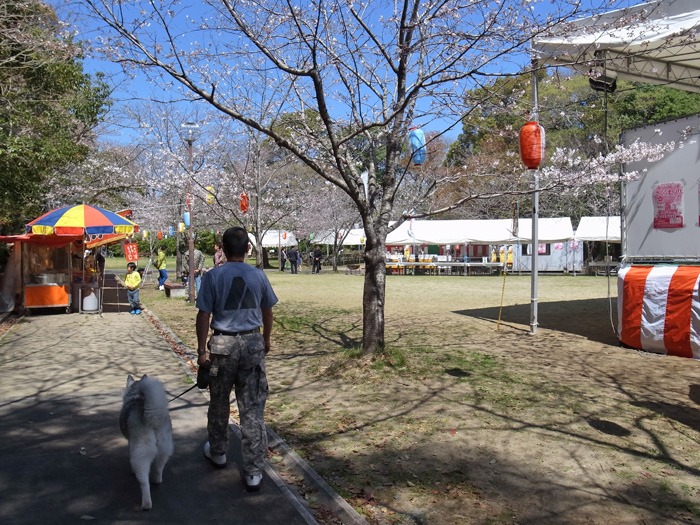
<point>238,362</point>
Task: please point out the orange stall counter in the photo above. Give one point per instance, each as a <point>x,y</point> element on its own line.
<point>46,295</point>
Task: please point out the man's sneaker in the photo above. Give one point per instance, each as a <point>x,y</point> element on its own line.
<point>217,461</point>
<point>252,482</point>
<point>161,287</point>
<point>132,312</point>
<point>138,311</point>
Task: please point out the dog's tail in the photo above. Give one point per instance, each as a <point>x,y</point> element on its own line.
<point>155,401</point>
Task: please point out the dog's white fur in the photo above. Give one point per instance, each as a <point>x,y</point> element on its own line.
<point>145,422</point>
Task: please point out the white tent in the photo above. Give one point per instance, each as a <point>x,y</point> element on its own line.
<point>487,231</point>
<point>355,237</point>
<point>441,232</point>
<point>657,42</point>
<point>557,229</point>
<point>275,238</point>
<point>599,229</point>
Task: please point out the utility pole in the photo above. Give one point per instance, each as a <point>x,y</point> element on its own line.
<point>190,133</point>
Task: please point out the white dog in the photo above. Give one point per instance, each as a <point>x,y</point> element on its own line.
<point>145,422</point>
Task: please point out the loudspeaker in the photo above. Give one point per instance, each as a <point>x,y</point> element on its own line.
<point>603,83</point>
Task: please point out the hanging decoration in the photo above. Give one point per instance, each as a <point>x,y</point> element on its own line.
<point>532,144</point>
<point>416,138</point>
<point>145,234</point>
<point>186,219</point>
<point>181,227</point>
<point>171,231</point>
<point>245,202</point>
<point>159,235</point>
<point>210,195</point>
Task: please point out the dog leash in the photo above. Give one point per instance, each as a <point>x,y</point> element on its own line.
<point>180,395</point>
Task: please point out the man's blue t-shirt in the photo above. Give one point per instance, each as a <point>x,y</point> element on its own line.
<point>234,294</point>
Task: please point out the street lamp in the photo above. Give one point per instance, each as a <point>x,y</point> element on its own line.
<point>190,133</point>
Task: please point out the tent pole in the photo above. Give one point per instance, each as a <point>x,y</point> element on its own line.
<point>535,213</point>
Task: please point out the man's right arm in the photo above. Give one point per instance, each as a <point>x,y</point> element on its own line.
<point>267,327</point>
<point>202,326</point>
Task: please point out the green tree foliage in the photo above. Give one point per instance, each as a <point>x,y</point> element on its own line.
<point>643,104</point>
<point>48,107</point>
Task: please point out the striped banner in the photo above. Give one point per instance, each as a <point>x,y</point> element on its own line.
<point>659,309</point>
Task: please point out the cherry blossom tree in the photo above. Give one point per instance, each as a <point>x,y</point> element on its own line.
<point>228,161</point>
<point>357,75</point>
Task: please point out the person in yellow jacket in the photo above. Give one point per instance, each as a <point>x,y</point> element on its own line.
<point>132,281</point>
<point>162,268</point>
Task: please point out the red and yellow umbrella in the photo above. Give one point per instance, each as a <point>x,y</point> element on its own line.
<point>81,219</point>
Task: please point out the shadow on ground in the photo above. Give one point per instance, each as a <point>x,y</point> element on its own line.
<point>589,318</point>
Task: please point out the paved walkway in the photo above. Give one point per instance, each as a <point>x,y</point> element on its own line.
<point>62,456</point>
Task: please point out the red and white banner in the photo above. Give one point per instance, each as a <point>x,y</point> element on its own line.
<point>659,310</point>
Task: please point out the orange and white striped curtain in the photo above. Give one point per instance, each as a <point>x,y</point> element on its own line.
<point>659,309</point>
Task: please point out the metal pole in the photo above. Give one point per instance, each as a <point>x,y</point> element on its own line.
<point>190,230</point>
<point>535,213</point>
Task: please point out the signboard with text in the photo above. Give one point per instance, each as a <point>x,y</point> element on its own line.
<point>131,252</point>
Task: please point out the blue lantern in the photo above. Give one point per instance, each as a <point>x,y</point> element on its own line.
<point>171,231</point>
<point>417,140</point>
<point>186,219</point>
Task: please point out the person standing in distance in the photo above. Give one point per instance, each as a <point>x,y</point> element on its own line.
<point>132,282</point>
<point>219,257</point>
<point>316,260</point>
<point>236,299</point>
<point>161,266</point>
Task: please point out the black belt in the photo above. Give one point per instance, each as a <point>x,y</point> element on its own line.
<point>244,332</point>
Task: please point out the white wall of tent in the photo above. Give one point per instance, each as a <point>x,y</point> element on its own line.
<point>560,246</point>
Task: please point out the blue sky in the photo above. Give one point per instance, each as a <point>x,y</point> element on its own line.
<point>132,91</point>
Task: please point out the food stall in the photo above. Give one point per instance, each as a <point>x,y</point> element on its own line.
<point>58,268</point>
<point>47,274</point>
<point>44,270</point>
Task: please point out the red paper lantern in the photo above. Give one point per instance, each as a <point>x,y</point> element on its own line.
<point>159,235</point>
<point>532,144</point>
<point>245,202</point>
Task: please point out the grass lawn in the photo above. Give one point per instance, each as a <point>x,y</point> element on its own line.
<point>467,417</point>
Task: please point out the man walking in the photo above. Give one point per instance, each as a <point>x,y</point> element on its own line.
<point>237,298</point>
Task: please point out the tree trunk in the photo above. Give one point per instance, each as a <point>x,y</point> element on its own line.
<point>335,254</point>
<point>373,300</point>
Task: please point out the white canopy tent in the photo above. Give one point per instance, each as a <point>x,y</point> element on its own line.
<point>443,232</point>
<point>470,231</point>
<point>354,237</point>
<point>657,42</point>
<point>275,238</point>
<point>599,229</point>
<point>558,229</point>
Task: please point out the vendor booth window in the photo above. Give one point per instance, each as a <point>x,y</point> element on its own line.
<point>543,249</point>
